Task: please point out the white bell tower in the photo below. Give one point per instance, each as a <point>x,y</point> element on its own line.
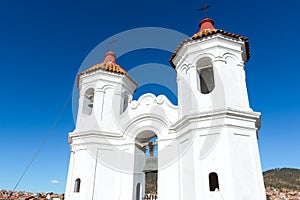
<point>223,160</point>
<point>105,91</point>
<point>210,68</point>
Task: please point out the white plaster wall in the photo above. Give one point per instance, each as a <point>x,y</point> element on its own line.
<point>168,174</point>
<point>187,170</point>
<point>107,179</point>
<point>83,167</point>
<point>69,184</point>
<point>247,174</point>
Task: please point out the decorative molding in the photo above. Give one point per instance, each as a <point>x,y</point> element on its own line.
<point>150,99</point>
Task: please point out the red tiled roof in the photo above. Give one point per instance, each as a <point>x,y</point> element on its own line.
<point>109,64</point>
<point>15,197</point>
<point>207,29</point>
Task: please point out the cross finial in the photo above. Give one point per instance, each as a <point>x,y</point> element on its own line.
<point>204,8</point>
<point>111,43</point>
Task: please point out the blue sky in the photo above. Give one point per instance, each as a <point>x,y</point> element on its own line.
<point>43,44</point>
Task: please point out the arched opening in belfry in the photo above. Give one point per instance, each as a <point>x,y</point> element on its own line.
<point>146,142</point>
<point>206,81</point>
<point>88,101</point>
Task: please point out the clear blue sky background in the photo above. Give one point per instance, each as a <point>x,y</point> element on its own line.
<point>43,44</point>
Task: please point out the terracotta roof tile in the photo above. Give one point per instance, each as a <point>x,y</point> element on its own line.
<point>109,64</point>
<point>203,33</point>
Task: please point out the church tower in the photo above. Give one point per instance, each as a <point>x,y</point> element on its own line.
<point>105,91</point>
<point>222,161</point>
<point>206,145</point>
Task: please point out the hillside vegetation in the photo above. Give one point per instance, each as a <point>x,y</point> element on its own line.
<point>284,178</point>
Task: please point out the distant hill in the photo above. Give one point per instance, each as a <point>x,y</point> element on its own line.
<point>282,178</point>
<point>279,178</point>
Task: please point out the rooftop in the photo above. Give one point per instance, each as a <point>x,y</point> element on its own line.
<point>109,64</point>
<point>207,29</point>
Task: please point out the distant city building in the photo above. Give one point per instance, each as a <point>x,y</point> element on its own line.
<point>207,145</point>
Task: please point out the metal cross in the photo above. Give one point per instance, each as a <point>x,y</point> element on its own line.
<point>204,8</point>
<point>111,43</point>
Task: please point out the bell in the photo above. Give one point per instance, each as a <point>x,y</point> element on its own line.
<point>151,164</point>
<point>91,103</point>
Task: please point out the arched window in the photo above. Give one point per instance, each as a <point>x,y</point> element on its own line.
<point>77,185</point>
<point>206,75</point>
<point>88,102</point>
<point>138,192</point>
<point>213,182</point>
